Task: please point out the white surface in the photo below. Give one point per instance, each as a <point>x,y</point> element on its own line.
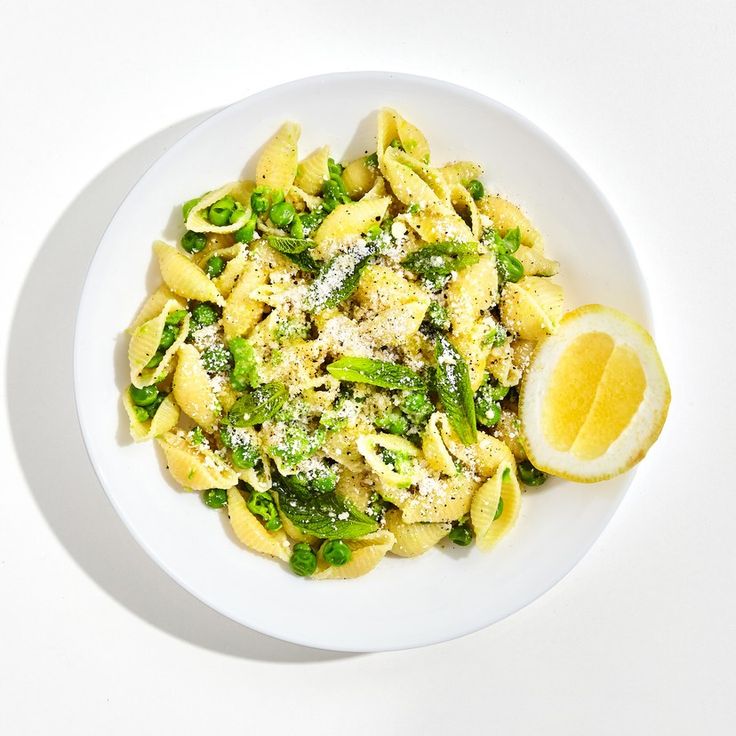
<point>341,109</point>
<point>638,639</point>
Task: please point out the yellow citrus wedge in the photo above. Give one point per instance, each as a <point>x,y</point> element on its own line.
<point>595,396</point>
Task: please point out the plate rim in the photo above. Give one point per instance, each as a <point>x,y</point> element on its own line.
<point>440,85</point>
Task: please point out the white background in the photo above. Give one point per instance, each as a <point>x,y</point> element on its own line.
<point>639,639</point>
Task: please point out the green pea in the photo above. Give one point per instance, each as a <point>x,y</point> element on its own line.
<point>144,396</point>
<point>193,242</point>
<point>259,201</point>
<point>215,498</point>
<point>372,160</point>
<point>531,476</point>
<point>215,266</point>
<point>312,220</point>
<point>325,482</point>
<point>176,317</point>
<point>220,212</point>
<point>395,143</point>
<point>155,360</point>
<point>282,214</point>
<point>297,229</point>
<point>336,552</point>
<point>187,207</point>
<point>499,509</point>
<point>417,406</point>
<point>246,233</point>
<point>276,196</point>
<point>261,504</point>
<point>488,412</point>
<point>393,422</point>
<point>141,413</point>
<point>204,314</point>
<point>216,359</point>
<point>245,456</point>
<point>461,535</point>
<point>476,189</point>
<point>273,524</point>
<point>237,213</point>
<point>303,561</point>
<point>168,337</point>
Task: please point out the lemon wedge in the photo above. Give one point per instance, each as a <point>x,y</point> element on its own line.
<point>595,396</point>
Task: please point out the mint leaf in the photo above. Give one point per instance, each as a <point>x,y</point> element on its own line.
<point>324,515</point>
<point>376,373</point>
<point>258,405</point>
<point>453,387</point>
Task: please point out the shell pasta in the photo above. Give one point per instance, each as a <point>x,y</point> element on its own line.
<point>333,354</point>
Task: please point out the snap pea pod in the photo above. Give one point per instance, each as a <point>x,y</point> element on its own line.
<point>453,387</point>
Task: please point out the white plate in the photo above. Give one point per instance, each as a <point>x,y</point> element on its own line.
<point>404,603</point>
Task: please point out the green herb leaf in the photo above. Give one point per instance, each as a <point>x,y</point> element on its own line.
<point>453,387</point>
<point>376,373</point>
<point>441,259</point>
<point>340,277</point>
<point>258,405</point>
<point>305,261</point>
<point>510,242</point>
<point>290,245</point>
<point>324,515</point>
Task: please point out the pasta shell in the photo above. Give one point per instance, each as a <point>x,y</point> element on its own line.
<point>367,551</point>
<point>464,203</point>
<point>406,184</point>
<point>238,190</point>
<point>233,268</point>
<point>532,307</point>
<point>460,172</point>
<point>152,306</point>
<point>435,453</point>
<point>184,277</point>
<point>535,262</point>
<point>164,420</point>
<point>386,131</point>
<point>413,540</point>
<point>351,219</point>
<point>276,167</point>
<point>241,312</point>
<point>437,223</point>
<point>412,139</point>
<point>368,445</point>
<point>485,503</point>
<point>438,500</point>
<point>507,216</point>
<point>195,468</point>
<point>193,391</point>
<point>312,172</point>
<point>144,343</point>
<point>359,177</point>
<point>251,532</point>
<point>472,294</point>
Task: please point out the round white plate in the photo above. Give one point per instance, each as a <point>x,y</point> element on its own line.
<point>403,603</point>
